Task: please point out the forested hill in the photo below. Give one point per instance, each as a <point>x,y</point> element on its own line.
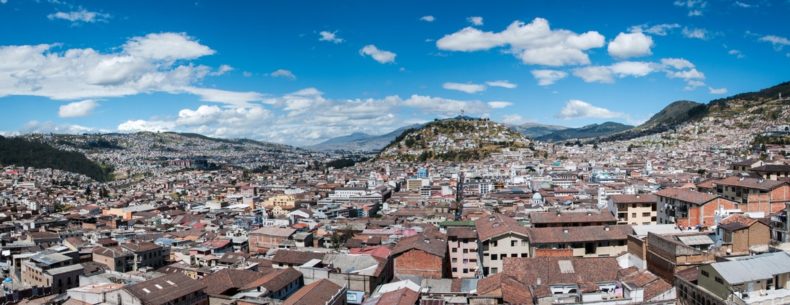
<point>22,152</point>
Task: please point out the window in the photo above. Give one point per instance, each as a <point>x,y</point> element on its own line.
<point>719,280</point>
<point>455,250</point>
<point>704,273</point>
<point>494,270</point>
<point>512,243</point>
<point>466,250</point>
<point>493,257</point>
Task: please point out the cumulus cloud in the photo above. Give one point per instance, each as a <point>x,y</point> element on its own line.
<point>283,73</point>
<point>329,36</point>
<point>627,45</point>
<point>777,41</point>
<point>607,74</point>
<point>657,29</point>
<point>694,7</point>
<point>377,54</point>
<point>428,18</point>
<point>78,16</point>
<point>548,77</point>
<point>166,46</point>
<point>683,69</point>
<point>695,33</point>
<point>717,90</point>
<point>533,43</point>
<point>501,84</point>
<point>475,20</point>
<point>499,104</point>
<point>51,127</point>
<point>464,87</point>
<point>575,109</point>
<point>513,119</point>
<point>306,116</point>
<point>77,109</point>
<point>156,62</point>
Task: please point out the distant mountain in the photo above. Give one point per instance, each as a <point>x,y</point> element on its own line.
<point>585,132</point>
<point>768,104</point>
<point>456,139</point>
<point>24,152</point>
<point>675,113</point>
<point>361,142</point>
<point>534,130</point>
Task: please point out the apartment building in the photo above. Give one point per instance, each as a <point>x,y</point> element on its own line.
<point>462,246</point>
<point>498,237</point>
<point>591,241</point>
<point>640,209</point>
<point>690,209</point>
<point>759,279</point>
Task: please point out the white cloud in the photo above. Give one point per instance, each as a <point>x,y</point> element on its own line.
<point>377,54</point>
<point>222,70</point>
<point>143,125</point>
<point>499,104</point>
<point>151,63</point>
<point>239,98</point>
<point>595,74</point>
<point>475,20</point>
<point>533,43</point>
<point>717,90</point>
<point>695,33</point>
<point>513,119</point>
<point>283,73</point>
<point>575,109</point>
<point>80,15</point>
<point>736,53</point>
<point>627,45</point>
<point>606,74</point>
<point>677,63</point>
<point>166,46</point>
<point>743,4</point>
<point>51,127</point>
<point>306,116</point>
<point>464,87</point>
<point>694,7</point>
<point>657,29</point>
<point>501,84</point>
<point>777,41</point>
<point>330,37</point>
<point>77,109</point>
<point>548,77</point>
<point>428,18</point>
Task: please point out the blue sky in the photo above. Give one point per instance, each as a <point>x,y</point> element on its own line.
<point>299,72</point>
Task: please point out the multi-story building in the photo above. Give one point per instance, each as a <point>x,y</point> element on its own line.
<point>146,254</point>
<point>759,279</point>
<point>55,271</point>
<point>421,256</point>
<point>755,194</point>
<point>640,209</point>
<point>571,219</point>
<point>668,254</point>
<point>498,237</point>
<point>263,239</point>
<point>740,234</point>
<point>591,241</point>
<point>690,209</point>
<point>462,246</point>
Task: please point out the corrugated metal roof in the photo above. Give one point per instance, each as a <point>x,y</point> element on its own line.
<point>696,240</point>
<point>753,268</point>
